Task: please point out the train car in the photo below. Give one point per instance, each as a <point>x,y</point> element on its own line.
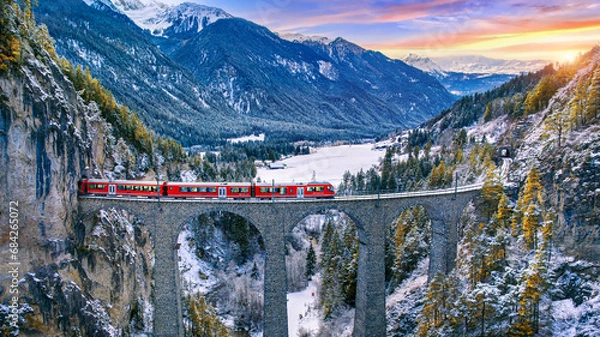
<point>268,191</point>
<point>294,190</point>
<point>121,188</point>
<point>209,190</point>
<point>319,190</point>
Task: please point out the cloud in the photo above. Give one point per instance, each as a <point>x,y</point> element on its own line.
<point>476,25</point>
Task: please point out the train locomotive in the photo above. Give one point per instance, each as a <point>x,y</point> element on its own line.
<point>224,190</point>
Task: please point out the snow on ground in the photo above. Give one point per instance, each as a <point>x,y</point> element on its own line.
<point>410,286</point>
<point>245,139</point>
<point>196,275</point>
<point>303,303</point>
<point>492,130</point>
<point>328,164</point>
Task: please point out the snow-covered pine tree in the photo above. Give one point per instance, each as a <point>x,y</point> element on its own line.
<point>311,262</point>
<point>330,292</point>
<point>349,272</point>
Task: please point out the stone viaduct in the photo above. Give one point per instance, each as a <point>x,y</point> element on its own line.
<point>274,219</point>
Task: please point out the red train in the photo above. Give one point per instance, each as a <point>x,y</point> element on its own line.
<point>205,190</point>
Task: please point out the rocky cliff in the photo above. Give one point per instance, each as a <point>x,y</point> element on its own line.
<point>61,276</point>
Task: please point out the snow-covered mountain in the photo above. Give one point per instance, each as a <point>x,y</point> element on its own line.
<point>165,20</point>
<point>296,37</point>
<point>425,64</point>
<point>484,65</point>
<point>458,83</point>
<point>238,77</point>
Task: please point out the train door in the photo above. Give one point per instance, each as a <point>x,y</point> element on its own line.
<point>300,193</point>
<point>112,189</point>
<point>222,192</point>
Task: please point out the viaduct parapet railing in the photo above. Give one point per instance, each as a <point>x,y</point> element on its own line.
<point>274,219</point>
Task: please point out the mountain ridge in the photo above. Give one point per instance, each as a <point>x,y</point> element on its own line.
<point>242,97</point>
<point>264,68</point>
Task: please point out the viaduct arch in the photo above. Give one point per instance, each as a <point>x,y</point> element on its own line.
<point>274,219</point>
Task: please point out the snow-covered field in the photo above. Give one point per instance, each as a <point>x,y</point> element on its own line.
<point>327,163</point>
<point>303,303</point>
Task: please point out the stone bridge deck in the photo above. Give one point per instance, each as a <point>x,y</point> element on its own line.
<point>274,219</point>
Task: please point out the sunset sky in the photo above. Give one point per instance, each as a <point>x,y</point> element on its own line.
<point>509,29</point>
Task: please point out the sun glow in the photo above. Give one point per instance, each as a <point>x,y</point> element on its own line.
<point>568,56</point>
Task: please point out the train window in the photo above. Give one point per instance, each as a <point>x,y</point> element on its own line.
<point>329,188</point>
<point>265,189</point>
<point>183,189</point>
<point>282,191</point>
<point>235,190</point>
<point>194,189</point>
<point>129,188</point>
<point>309,189</point>
<point>318,188</point>
<point>121,188</point>
<point>244,190</point>
<point>154,189</point>
<point>136,188</point>
<point>212,189</point>
<point>202,189</point>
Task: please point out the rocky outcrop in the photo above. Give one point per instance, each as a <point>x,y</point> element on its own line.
<point>67,278</point>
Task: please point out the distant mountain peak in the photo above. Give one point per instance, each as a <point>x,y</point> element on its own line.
<point>159,19</point>
<point>102,4</point>
<point>296,37</point>
<point>127,5</point>
<point>424,63</point>
<point>477,64</point>
<point>184,18</point>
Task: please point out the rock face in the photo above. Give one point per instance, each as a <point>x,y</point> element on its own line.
<point>62,280</point>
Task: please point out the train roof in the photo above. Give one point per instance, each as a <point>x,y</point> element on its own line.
<point>203,183</point>
<point>106,181</point>
<point>294,183</point>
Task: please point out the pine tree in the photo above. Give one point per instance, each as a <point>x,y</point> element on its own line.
<point>528,210</point>
<point>349,273</point>
<point>331,295</point>
<point>388,182</point>
<point>10,46</point>
<point>254,274</point>
<point>593,97</point>
<point>410,242</point>
<point>492,189</point>
<point>203,320</point>
<point>311,262</point>
<point>439,313</point>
